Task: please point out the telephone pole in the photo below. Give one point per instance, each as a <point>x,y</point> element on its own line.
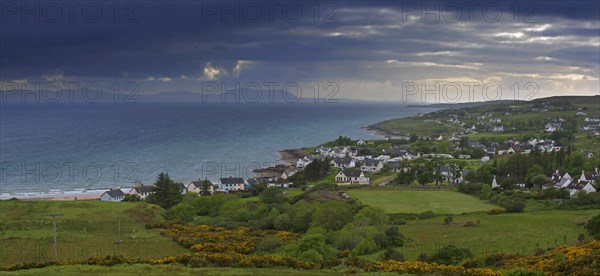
<point>54,215</point>
<point>119,240</point>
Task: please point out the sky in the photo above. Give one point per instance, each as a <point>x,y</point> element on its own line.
<point>411,51</point>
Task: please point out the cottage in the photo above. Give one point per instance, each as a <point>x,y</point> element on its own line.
<point>201,187</point>
<point>371,165</point>
<point>280,183</point>
<point>553,127</point>
<point>351,176</point>
<point>579,185</point>
<point>142,191</point>
<point>591,119</point>
<point>231,184</point>
<point>342,162</point>
<point>361,142</point>
<point>112,195</point>
<point>436,137</point>
<point>495,183</point>
<point>589,176</point>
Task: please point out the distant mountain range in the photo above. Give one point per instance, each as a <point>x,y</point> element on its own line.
<point>233,96</point>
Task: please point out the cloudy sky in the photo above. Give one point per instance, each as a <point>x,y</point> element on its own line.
<point>389,50</point>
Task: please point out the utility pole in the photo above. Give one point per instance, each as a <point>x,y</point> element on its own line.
<point>54,215</point>
<point>119,240</point>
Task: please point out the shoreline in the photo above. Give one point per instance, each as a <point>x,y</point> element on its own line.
<point>291,156</point>
<point>288,157</point>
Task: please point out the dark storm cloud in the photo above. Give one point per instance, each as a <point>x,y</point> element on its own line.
<point>181,41</point>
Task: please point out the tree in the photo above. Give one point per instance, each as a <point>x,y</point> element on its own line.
<point>425,177</point>
<point>166,193</point>
<point>405,177</point>
<point>272,195</point>
<point>316,170</point>
<point>131,198</point>
<point>207,187</point>
<point>332,215</point>
<point>593,227</point>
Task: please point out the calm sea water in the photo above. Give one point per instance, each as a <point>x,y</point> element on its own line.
<point>65,148</point>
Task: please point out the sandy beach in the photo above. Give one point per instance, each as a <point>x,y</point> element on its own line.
<point>91,195</point>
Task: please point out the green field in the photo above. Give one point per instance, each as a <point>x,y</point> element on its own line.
<point>510,233</point>
<point>402,201</point>
<point>88,228</point>
<point>416,126</point>
<point>171,269</point>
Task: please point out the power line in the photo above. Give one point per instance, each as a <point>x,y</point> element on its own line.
<point>54,215</point>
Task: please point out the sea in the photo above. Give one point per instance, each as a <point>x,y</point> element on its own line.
<point>65,149</point>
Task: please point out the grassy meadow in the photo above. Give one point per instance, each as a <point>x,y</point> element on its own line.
<point>87,228</point>
<point>171,269</point>
<point>405,201</point>
<point>508,233</point>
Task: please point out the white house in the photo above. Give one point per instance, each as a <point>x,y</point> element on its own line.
<point>589,176</point>
<point>351,176</point>
<point>579,185</point>
<point>361,142</point>
<point>142,191</point>
<point>231,184</point>
<point>112,195</point>
<point>371,165</point>
<point>280,183</point>
<point>342,162</point>
<point>553,127</point>
<point>304,161</point>
<point>197,187</point>
<point>591,119</point>
<point>495,183</point>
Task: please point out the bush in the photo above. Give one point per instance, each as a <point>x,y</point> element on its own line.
<point>496,211</point>
<point>393,254</point>
<point>426,215</point>
<point>516,206</point>
<point>366,246</point>
<point>451,254</point>
<point>269,244</point>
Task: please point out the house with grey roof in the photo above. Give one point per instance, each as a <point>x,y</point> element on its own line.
<point>231,184</point>
<point>371,165</point>
<point>114,195</point>
<point>351,176</point>
<point>142,191</point>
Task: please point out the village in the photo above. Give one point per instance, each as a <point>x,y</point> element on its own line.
<point>468,139</point>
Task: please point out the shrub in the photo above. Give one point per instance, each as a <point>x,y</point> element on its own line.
<point>269,244</point>
<point>496,211</point>
<point>366,246</point>
<point>393,254</point>
<point>426,215</point>
<point>451,254</point>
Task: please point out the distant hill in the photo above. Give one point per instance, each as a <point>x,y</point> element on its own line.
<point>462,105</point>
<point>569,99</point>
